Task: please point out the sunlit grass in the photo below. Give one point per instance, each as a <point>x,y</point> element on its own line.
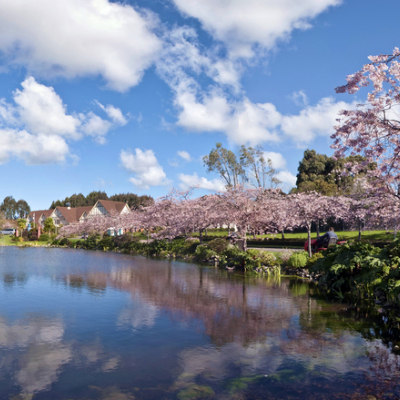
<point>342,235</point>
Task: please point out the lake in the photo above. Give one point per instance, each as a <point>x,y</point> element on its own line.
<point>78,324</point>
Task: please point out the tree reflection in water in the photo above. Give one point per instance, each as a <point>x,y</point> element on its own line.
<point>246,338</point>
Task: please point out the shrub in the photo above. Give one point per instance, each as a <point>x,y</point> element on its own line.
<point>285,255</point>
<point>44,238</point>
<point>64,242</point>
<point>268,259</point>
<point>106,243</point>
<point>231,252</point>
<point>298,259</point>
<point>33,237</point>
<point>218,245</point>
<point>55,242</point>
<point>91,242</point>
<point>123,241</point>
<point>203,253</point>
<point>253,252</point>
<point>312,260</point>
<point>157,246</point>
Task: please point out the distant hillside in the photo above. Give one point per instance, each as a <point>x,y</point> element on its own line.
<point>79,200</point>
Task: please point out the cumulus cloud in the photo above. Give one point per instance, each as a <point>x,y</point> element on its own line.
<point>241,121</point>
<point>148,172</point>
<point>277,159</point>
<point>287,178</point>
<point>216,185</point>
<point>185,155</point>
<point>37,126</point>
<point>313,121</point>
<point>241,25</point>
<point>79,38</point>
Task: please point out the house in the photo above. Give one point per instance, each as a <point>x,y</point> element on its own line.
<point>67,215</point>
<point>108,207</point>
<point>38,217</point>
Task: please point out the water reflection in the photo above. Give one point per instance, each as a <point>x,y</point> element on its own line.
<point>84,325</point>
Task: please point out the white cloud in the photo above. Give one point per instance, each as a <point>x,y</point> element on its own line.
<point>185,155</point>
<point>96,127</point>
<point>242,121</point>
<point>313,121</point>
<point>37,127</point>
<point>216,185</point>
<point>148,172</point>
<point>277,159</point>
<point>33,149</point>
<point>78,38</point>
<point>42,111</point>
<point>115,114</point>
<point>243,24</point>
<point>287,178</point>
<point>299,98</point>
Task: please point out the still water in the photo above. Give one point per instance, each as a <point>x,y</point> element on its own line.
<point>78,324</point>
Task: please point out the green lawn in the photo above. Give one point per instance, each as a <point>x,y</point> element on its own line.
<point>6,241</point>
<point>345,235</point>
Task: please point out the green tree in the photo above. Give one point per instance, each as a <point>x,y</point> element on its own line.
<point>21,223</point>
<point>22,208</point>
<point>9,207</point>
<point>258,170</point>
<point>133,200</point>
<point>322,174</point>
<point>49,225</point>
<point>225,163</point>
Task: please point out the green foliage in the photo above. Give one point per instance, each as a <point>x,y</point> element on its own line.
<point>106,243</point>
<point>358,268</point>
<point>91,242</point>
<point>64,242</point>
<point>298,259</point>
<point>49,225</point>
<point>269,259</point>
<point>203,253</point>
<point>44,237</point>
<point>312,260</point>
<point>218,245</point>
<point>21,223</point>
<point>317,172</point>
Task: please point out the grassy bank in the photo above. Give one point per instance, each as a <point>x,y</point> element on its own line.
<point>342,235</point>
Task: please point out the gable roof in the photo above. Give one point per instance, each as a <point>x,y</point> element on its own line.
<point>112,206</point>
<point>39,213</point>
<point>72,215</point>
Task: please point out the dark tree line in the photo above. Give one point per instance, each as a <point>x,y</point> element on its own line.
<point>13,209</point>
<point>79,200</point>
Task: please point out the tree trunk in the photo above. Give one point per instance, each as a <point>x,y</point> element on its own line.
<point>201,236</point>
<point>317,228</point>
<point>309,239</point>
<point>395,228</point>
<point>254,234</point>
<point>283,234</point>
<point>359,230</point>
<point>206,232</point>
<point>245,240</point>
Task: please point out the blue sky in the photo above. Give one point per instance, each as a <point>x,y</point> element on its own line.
<point>127,97</point>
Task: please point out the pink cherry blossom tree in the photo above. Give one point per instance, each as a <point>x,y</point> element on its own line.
<point>372,129</point>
